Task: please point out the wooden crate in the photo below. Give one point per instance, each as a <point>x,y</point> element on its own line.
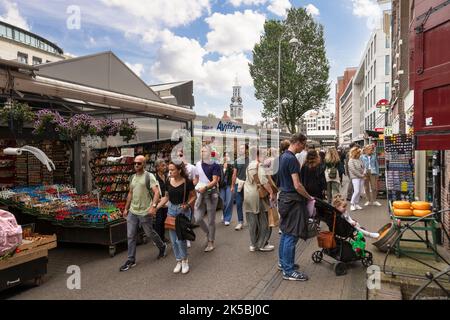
<point>45,242</point>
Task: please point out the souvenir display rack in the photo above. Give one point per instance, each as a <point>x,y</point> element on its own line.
<point>27,170</point>
<point>112,179</point>
<point>379,143</point>
<point>399,167</point>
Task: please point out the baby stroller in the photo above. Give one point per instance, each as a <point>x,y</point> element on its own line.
<point>343,251</point>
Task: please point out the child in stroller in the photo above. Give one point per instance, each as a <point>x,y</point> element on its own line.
<point>348,236</point>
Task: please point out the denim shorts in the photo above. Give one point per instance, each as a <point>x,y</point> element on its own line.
<point>176,209</point>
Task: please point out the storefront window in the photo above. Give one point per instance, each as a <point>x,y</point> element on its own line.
<point>166,127</point>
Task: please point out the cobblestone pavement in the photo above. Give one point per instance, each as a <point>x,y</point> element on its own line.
<point>229,272</point>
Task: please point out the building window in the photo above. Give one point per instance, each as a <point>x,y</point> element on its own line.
<point>37,60</point>
<point>388,41</point>
<point>375,44</point>
<point>373,76</point>
<point>22,57</point>
<point>387,93</point>
<point>387,68</point>
<point>375,70</point>
<point>374,94</point>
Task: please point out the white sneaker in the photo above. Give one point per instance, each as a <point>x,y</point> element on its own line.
<point>227,223</point>
<point>177,267</point>
<point>352,208</point>
<point>184,267</point>
<point>268,247</point>
<point>238,227</point>
<point>252,248</point>
<point>376,203</point>
<point>358,207</point>
<point>188,243</point>
<point>368,203</point>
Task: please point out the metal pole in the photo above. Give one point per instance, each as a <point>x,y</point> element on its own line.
<point>279,78</point>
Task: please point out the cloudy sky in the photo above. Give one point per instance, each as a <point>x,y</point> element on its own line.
<point>208,41</point>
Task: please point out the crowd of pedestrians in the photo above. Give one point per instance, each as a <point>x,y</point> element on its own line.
<point>258,180</point>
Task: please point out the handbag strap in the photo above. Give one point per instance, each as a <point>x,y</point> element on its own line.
<point>256,177</point>
<point>184,193</point>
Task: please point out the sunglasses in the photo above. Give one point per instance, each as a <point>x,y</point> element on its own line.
<point>138,163</point>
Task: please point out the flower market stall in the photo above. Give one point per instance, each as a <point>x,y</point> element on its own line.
<point>66,115</point>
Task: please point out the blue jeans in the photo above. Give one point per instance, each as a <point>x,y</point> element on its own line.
<point>286,253</point>
<point>227,199</point>
<point>179,246</point>
<point>239,203</point>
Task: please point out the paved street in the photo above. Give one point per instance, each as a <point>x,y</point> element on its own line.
<point>229,272</point>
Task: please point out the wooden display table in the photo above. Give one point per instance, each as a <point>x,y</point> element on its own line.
<point>29,263</point>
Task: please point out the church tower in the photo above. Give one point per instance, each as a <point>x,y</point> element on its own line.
<point>236,107</point>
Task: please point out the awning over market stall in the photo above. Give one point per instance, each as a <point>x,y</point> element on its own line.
<point>98,82</point>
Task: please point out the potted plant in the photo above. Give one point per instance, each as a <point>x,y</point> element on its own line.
<point>16,114</point>
<point>49,123</point>
<point>106,128</point>
<point>81,125</point>
<point>127,130</point>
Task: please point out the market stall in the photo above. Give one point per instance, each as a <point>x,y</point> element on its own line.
<point>27,260</point>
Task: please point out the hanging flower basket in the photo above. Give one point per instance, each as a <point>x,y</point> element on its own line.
<point>15,114</point>
<point>106,128</point>
<point>81,125</point>
<point>127,130</point>
<point>50,123</point>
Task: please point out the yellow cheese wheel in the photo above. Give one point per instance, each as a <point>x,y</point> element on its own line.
<point>421,205</point>
<point>421,213</point>
<point>403,212</point>
<point>402,205</point>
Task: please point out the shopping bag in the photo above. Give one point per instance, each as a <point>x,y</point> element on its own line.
<point>273,217</point>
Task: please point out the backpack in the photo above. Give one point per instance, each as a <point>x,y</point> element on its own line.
<point>147,184</point>
<point>332,174</point>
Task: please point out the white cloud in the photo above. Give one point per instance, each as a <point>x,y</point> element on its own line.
<point>12,15</point>
<point>312,10</point>
<point>180,58</point>
<point>137,68</point>
<point>368,9</point>
<point>164,13</point>
<point>238,3</point>
<point>279,7</point>
<point>234,33</point>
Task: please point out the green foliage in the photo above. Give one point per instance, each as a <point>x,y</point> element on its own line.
<point>20,112</point>
<point>304,67</point>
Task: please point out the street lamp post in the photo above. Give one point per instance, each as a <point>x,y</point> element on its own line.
<point>292,42</point>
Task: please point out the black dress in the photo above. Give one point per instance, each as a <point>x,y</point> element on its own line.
<point>314,181</point>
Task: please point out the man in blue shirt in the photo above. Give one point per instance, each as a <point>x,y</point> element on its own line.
<point>292,208</point>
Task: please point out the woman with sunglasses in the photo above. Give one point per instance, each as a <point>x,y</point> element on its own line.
<point>180,196</point>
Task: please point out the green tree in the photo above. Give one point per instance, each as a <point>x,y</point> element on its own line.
<point>304,67</point>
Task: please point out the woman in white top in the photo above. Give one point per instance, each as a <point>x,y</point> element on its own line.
<point>356,171</point>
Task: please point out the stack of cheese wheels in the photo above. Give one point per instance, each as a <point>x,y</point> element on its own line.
<point>402,209</point>
<point>421,208</point>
